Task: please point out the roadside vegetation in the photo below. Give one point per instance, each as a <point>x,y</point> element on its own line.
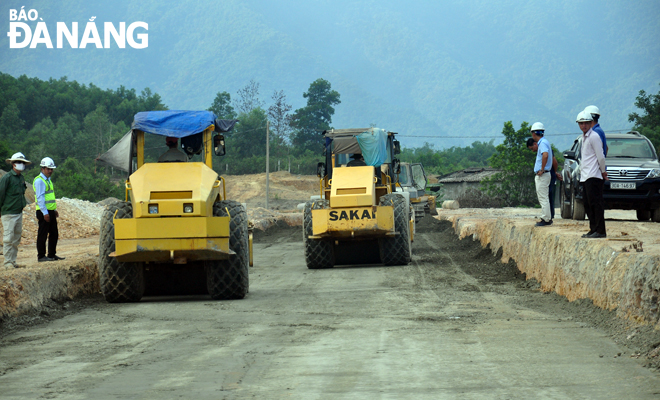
<point>75,123</point>
<point>648,123</point>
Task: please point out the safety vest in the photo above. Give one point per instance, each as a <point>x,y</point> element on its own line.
<point>49,196</point>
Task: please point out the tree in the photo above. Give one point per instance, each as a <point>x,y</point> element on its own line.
<point>11,124</point>
<point>98,130</point>
<point>316,117</point>
<point>248,138</point>
<point>279,117</point>
<point>515,184</point>
<point>648,124</point>
<point>5,153</point>
<point>221,106</point>
<point>248,98</point>
<point>76,180</point>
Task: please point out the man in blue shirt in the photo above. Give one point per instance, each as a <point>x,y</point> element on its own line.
<point>554,176</point>
<point>595,114</point>
<point>542,168</point>
<point>47,215</point>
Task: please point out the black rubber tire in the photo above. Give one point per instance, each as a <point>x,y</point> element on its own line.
<point>564,206</point>
<point>319,253</point>
<point>643,215</point>
<point>655,215</point>
<point>396,250</point>
<point>229,279</point>
<point>121,282</point>
<point>577,207</point>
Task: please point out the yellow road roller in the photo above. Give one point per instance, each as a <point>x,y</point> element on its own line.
<point>176,215</point>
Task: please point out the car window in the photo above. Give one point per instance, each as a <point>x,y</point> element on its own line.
<point>629,148</point>
<point>404,179</point>
<point>418,177</point>
<point>342,159</point>
<point>576,148</point>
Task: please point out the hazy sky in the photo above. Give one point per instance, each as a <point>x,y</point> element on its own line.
<point>430,70</point>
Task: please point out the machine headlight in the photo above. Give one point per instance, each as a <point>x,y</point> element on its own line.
<point>654,173</point>
<point>153,208</point>
<point>188,208</point>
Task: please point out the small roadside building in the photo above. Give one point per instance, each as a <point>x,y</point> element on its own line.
<point>455,184</point>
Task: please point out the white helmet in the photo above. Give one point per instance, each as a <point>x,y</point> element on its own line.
<point>18,157</point>
<point>592,110</point>
<point>48,162</point>
<point>584,116</point>
<point>537,126</point>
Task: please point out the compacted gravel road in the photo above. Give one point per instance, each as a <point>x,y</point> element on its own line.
<point>454,324</point>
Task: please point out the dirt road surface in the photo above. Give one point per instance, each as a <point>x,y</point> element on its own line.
<point>456,323</point>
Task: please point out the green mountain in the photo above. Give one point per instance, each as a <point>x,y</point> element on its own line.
<point>452,70</point>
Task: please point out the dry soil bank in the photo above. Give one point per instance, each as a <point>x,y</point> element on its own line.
<point>621,272</point>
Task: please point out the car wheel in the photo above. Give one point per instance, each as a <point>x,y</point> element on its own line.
<point>643,215</point>
<point>655,215</point>
<point>564,206</point>
<point>577,206</point>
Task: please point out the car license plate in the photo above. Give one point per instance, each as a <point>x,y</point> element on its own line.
<point>623,185</point>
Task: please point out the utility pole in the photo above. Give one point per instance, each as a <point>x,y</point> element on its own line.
<point>267,163</point>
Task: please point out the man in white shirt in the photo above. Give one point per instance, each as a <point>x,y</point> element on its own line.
<point>593,172</point>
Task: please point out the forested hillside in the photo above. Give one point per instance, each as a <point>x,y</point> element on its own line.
<point>445,73</point>
<point>71,123</point>
<point>74,124</point>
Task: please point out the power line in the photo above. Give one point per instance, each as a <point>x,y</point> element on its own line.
<point>499,136</point>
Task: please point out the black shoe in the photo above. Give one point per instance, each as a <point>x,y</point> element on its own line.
<point>543,223</point>
<point>588,234</point>
<point>42,259</point>
<point>55,258</point>
<point>596,235</point>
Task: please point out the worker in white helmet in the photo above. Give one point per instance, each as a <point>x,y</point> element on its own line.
<point>554,176</point>
<point>595,114</point>
<point>542,168</point>
<point>593,172</point>
<point>44,198</point>
<point>12,202</point>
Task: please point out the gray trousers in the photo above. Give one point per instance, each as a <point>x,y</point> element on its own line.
<point>12,225</point>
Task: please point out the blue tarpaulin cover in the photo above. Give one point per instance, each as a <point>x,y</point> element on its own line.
<point>179,124</point>
<point>373,144</point>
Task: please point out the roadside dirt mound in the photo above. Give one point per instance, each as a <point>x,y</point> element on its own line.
<point>286,190</point>
<point>263,219</point>
<point>78,219</point>
<point>278,231</point>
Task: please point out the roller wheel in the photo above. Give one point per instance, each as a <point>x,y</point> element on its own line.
<point>229,279</point>
<point>319,253</point>
<point>396,250</point>
<point>121,282</point>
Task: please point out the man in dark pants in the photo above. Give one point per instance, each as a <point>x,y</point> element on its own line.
<point>12,202</point>
<point>593,172</point>
<point>44,198</point>
<point>554,175</point>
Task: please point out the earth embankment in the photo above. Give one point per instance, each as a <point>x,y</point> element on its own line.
<point>618,273</point>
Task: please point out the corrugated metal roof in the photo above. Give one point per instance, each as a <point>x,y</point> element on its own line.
<point>469,175</point>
